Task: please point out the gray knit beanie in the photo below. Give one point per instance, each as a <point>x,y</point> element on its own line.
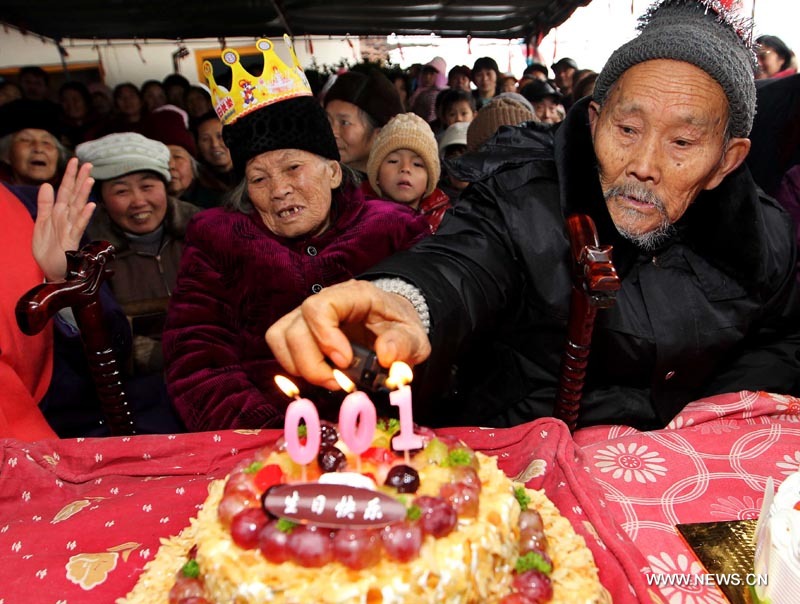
<point>703,33</point>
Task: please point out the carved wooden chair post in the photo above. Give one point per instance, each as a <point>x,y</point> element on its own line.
<point>594,285</point>
<point>87,269</point>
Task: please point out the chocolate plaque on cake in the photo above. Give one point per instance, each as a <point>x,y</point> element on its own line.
<point>333,505</point>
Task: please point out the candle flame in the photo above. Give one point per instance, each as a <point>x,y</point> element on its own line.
<point>344,382</point>
<point>287,386</point>
<point>400,374</point>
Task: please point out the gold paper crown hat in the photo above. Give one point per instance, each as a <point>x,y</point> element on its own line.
<point>249,93</point>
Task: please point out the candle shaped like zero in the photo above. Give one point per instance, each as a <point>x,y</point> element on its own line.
<point>399,376</point>
<point>300,408</point>
<point>357,416</point>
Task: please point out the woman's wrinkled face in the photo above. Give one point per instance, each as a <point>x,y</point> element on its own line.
<point>181,170</point>
<point>354,135</point>
<point>212,147</point>
<point>33,156</point>
<point>292,191</point>
<point>136,202</point>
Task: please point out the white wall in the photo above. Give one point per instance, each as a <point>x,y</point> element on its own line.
<point>594,31</point>
<point>589,37</point>
<point>123,62</point>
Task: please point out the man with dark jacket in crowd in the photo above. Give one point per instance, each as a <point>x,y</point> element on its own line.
<point>708,301</point>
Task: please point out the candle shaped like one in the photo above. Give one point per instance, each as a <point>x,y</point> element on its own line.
<point>300,408</point>
<point>357,416</point>
<point>399,376</point>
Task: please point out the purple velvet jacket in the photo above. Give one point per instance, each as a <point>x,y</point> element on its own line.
<point>237,278</point>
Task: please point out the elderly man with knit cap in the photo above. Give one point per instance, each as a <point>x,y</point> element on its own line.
<point>708,300</point>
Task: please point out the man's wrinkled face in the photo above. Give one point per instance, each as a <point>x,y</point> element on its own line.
<point>660,140</point>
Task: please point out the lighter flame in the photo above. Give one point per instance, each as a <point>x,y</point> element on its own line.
<point>400,374</point>
<point>287,386</point>
<point>344,382</point>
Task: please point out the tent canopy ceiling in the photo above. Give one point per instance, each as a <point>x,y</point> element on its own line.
<point>192,19</point>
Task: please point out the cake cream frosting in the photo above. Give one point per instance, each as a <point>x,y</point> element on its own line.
<point>472,564</point>
<point>778,544</point>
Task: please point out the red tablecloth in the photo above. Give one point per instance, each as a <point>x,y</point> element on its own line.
<point>80,518</point>
<point>710,464</point>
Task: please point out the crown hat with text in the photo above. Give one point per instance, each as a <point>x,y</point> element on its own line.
<point>249,93</point>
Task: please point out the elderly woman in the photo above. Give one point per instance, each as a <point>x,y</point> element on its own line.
<point>189,179</point>
<point>30,151</point>
<point>358,106</point>
<point>295,224</point>
<point>145,225</point>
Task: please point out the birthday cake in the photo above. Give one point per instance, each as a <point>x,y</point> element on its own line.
<point>442,525</point>
<point>778,544</point>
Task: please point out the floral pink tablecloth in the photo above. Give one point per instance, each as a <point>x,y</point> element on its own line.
<point>80,518</point>
<point>710,464</point>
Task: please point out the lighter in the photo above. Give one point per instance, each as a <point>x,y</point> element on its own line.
<point>365,371</point>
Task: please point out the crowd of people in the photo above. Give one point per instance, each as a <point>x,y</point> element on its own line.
<point>444,192</point>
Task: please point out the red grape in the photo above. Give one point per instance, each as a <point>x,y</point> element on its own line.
<point>438,516</point>
<point>532,541</point>
<point>246,526</point>
<point>357,548</point>
<point>463,497</point>
<point>310,547</point>
<point>232,505</point>
<point>466,475</point>
<point>530,519</point>
<point>426,433</point>
<point>404,478</point>
<point>240,482</point>
<point>534,585</point>
<point>402,540</point>
<point>331,459</point>
<point>328,433</point>
<point>273,543</point>
<point>184,588</point>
